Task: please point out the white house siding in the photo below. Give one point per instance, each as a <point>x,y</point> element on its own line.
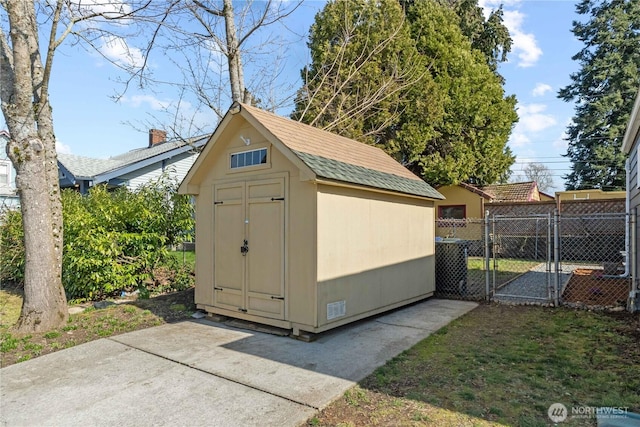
<point>176,167</point>
<point>8,195</point>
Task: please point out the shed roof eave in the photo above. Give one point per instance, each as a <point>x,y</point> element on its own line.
<point>343,184</point>
<point>187,181</point>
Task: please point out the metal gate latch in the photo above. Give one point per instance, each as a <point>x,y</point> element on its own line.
<point>244,248</point>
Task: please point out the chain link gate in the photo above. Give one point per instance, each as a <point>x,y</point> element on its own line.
<point>586,260</point>
<point>521,258</point>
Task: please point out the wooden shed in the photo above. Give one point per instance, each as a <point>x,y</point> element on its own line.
<point>302,229</point>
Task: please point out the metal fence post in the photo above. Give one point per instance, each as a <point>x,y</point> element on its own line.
<point>556,256</point>
<point>549,255</point>
<point>493,253</point>
<point>487,254</point>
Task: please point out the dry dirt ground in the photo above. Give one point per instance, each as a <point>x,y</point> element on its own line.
<point>591,288</point>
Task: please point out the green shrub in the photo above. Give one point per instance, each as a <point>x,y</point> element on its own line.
<point>113,240</point>
<point>11,246</point>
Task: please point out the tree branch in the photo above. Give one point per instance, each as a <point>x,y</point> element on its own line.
<point>7,75</point>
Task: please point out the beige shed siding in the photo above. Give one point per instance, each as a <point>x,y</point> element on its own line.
<point>301,250</point>
<point>204,246</point>
<point>367,243</point>
<point>300,270</point>
<point>372,249</point>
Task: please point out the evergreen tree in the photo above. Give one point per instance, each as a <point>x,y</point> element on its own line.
<point>363,64</point>
<point>604,91</point>
<point>444,114</point>
<point>471,139</point>
<point>490,36</point>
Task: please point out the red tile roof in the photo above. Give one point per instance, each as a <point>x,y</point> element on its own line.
<point>515,192</point>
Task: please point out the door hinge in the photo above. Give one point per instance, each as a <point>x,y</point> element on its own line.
<point>217,289</point>
<point>273,199</point>
<point>280,298</point>
<point>244,310</point>
<point>219,203</point>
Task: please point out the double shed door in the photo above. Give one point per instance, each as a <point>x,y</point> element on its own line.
<point>249,227</point>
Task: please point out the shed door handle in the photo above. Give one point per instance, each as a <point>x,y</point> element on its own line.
<point>244,248</point>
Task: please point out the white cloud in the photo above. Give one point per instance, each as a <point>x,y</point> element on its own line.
<point>118,51</point>
<point>188,119</point>
<point>532,118</point>
<point>524,45</point>
<point>518,139</point>
<point>490,5</point>
<point>62,148</point>
<point>153,102</point>
<point>541,89</point>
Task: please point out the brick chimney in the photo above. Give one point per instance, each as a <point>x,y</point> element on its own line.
<point>156,136</point>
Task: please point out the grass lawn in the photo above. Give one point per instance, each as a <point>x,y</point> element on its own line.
<point>505,268</point>
<point>185,257</point>
<point>502,365</point>
<point>88,325</point>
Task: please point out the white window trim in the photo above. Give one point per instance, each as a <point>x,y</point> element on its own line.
<point>252,167</point>
<point>4,164</point>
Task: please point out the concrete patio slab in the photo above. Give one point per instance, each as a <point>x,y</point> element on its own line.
<point>201,372</point>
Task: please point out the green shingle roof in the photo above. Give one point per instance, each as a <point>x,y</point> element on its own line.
<point>338,158</point>
<point>339,171</point>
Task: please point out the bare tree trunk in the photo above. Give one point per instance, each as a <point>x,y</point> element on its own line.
<point>24,85</point>
<point>236,75</point>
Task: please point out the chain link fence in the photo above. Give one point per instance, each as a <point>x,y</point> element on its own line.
<point>460,261</point>
<point>578,260</point>
<point>592,250</point>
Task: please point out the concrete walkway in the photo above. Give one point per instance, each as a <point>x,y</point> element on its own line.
<point>535,285</point>
<point>205,373</point>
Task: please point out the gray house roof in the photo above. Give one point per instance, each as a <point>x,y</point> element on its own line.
<point>80,168</point>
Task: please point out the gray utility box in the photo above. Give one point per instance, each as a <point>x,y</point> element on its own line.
<point>451,267</point>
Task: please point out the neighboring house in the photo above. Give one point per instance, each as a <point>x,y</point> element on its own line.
<point>468,201</point>
<point>303,229</point>
<point>594,194</point>
<point>133,168</point>
<point>631,147</point>
<point>8,193</point>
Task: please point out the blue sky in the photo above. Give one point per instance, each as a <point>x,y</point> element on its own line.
<point>89,122</point>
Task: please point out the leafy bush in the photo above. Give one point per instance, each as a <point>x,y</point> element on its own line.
<point>11,246</point>
<point>113,240</point>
